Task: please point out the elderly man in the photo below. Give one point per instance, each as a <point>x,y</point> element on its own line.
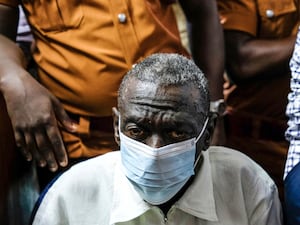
<point>165,172</point>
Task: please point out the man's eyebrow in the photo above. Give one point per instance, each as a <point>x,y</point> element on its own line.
<point>165,104</point>
<point>135,119</point>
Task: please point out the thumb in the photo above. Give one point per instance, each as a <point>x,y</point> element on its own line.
<point>63,118</point>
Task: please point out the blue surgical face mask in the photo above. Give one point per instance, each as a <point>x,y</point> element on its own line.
<point>158,174</point>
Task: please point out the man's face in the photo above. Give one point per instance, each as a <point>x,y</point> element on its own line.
<point>158,116</point>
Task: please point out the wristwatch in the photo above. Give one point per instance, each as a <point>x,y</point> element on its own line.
<point>218,106</point>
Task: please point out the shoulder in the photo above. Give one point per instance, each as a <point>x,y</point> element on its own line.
<point>234,163</point>
<point>241,181</point>
<point>94,170</point>
<point>87,175</point>
<point>224,155</point>
<point>104,162</point>
<point>238,15</point>
<point>227,154</point>
<point>84,188</point>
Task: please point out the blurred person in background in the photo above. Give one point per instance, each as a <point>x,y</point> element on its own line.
<point>292,166</point>
<point>259,40</point>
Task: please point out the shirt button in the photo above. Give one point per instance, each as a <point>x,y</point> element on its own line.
<point>122,18</point>
<point>269,13</point>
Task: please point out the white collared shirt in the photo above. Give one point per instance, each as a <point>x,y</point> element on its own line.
<point>229,189</point>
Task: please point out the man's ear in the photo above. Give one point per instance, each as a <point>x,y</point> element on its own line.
<point>116,115</point>
<point>212,122</point>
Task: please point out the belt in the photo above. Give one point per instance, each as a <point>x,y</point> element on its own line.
<point>246,126</point>
<point>104,124</point>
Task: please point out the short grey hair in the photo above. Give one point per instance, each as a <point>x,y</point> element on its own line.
<point>169,69</point>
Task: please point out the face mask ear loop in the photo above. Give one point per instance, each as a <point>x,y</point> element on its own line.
<point>202,131</point>
<point>197,139</point>
<point>197,160</point>
<point>119,124</point>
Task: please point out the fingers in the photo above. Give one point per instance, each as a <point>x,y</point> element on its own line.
<point>45,149</point>
<point>32,148</point>
<point>21,144</point>
<point>44,144</point>
<point>63,117</point>
<point>33,115</point>
<point>57,144</point>
<point>26,144</point>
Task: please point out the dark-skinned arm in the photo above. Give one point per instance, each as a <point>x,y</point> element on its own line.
<point>33,110</point>
<point>251,58</point>
<point>207,41</point>
<point>207,45</point>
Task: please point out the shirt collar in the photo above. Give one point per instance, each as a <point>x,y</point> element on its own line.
<point>203,205</point>
<point>127,204</point>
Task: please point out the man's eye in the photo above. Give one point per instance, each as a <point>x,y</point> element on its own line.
<point>136,132</point>
<point>178,135</point>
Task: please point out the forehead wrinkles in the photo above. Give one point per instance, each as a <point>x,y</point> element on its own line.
<point>156,95</point>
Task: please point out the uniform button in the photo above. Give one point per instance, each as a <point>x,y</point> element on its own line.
<point>269,13</point>
<point>122,18</point>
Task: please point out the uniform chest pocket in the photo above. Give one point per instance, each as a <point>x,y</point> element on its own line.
<point>278,17</point>
<point>54,15</point>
